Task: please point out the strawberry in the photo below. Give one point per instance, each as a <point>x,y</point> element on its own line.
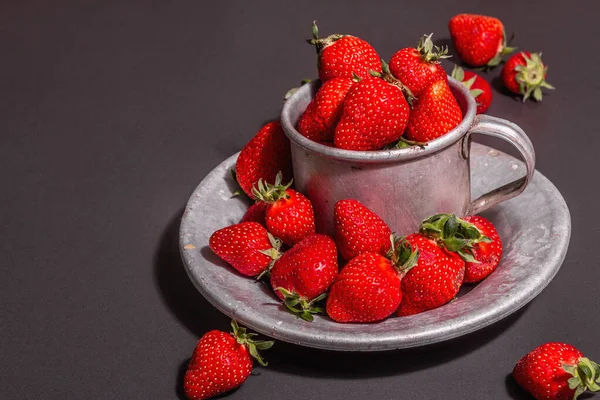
<point>479,40</point>
<point>487,254</point>
<point>221,362</point>
<point>557,371</point>
<point>375,114</point>
<point>247,247</point>
<point>341,56</point>
<point>267,153</point>
<point>444,243</point>
<point>525,74</point>
<point>323,113</point>
<point>419,67</point>
<point>289,214</point>
<point>257,212</point>
<point>359,230</point>
<point>480,88</point>
<point>434,114</point>
<point>434,281</point>
<point>302,275</point>
<point>368,287</point>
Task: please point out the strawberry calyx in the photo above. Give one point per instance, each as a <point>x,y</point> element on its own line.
<point>270,193</point>
<point>274,252</point>
<point>454,234</point>
<point>402,255</point>
<point>301,306</point>
<point>429,52</point>
<point>321,43</point>
<point>503,50</point>
<point>585,376</point>
<point>531,76</point>
<point>404,143</point>
<point>253,346</point>
<point>389,78</point>
<point>459,74</point>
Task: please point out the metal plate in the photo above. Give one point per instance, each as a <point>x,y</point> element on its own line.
<point>535,228</point>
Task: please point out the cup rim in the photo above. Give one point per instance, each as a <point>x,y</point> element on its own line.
<point>378,156</point>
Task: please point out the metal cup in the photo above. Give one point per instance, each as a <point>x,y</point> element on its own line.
<point>403,186</point>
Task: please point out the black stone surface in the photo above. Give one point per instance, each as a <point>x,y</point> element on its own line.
<point>111,112</point>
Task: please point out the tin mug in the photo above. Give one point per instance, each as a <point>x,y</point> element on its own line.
<point>402,186</point>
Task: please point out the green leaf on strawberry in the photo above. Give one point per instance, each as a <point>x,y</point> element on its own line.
<point>454,234</point>
<point>300,306</point>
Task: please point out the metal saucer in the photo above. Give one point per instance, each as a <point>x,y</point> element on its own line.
<point>535,228</point>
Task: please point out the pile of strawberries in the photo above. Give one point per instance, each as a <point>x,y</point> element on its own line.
<point>384,274</point>
<point>365,273</point>
<point>365,103</point>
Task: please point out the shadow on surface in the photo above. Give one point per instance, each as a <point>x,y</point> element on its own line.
<point>180,376</point>
<point>499,86</point>
<point>297,360</point>
<point>515,391</point>
<point>177,291</point>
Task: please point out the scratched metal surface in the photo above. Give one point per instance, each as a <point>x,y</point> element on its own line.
<point>535,228</point>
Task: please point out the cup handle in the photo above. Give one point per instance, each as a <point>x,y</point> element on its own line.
<point>506,130</point>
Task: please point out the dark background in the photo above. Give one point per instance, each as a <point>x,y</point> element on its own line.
<point>111,112</point>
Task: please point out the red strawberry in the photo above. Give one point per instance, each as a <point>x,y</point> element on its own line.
<point>487,254</point>
<point>479,40</point>
<point>359,230</point>
<point>247,247</point>
<point>265,154</point>
<point>257,212</point>
<point>525,74</point>
<point>289,215</point>
<point>454,234</point>
<point>368,287</point>
<point>434,281</point>
<point>324,111</point>
<point>434,114</point>
<point>557,371</point>
<point>341,56</point>
<point>221,362</point>
<point>444,244</point>
<point>375,114</point>
<point>480,88</point>
<point>417,68</point>
<point>303,274</point>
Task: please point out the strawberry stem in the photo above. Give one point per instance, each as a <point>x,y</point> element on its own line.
<point>459,74</point>
<point>402,255</point>
<point>409,143</point>
<point>504,50</point>
<point>270,193</point>
<point>454,234</point>
<point>246,339</point>
<point>301,306</point>
<point>585,376</point>
<point>531,76</point>
<point>429,52</point>
<point>321,43</point>
<point>274,252</point>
